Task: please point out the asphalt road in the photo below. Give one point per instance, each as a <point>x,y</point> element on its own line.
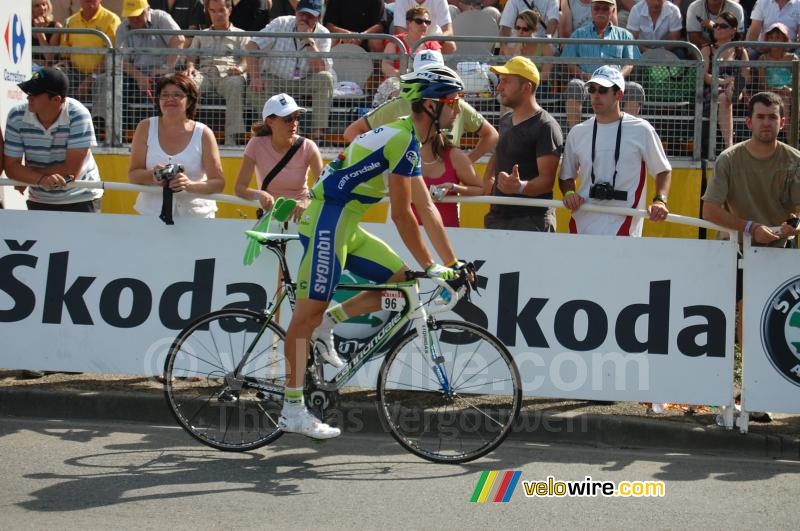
<point>77,474</point>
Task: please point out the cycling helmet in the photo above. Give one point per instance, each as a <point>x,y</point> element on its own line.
<point>431,81</point>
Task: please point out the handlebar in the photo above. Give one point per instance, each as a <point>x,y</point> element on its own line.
<point>456,289</point>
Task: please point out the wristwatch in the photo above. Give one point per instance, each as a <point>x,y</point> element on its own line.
<point>660,198</point>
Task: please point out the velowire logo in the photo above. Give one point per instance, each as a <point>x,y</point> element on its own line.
<point>495,486</point>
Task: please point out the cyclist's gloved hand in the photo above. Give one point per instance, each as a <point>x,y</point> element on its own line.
<point>439,271</point>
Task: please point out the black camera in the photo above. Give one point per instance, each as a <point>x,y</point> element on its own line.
<point>168,172</point>
<point>606,191</point>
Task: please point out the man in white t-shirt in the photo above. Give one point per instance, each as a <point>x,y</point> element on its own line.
<point>440,16</point>
<point>768,12</point>
<point>613,152</point>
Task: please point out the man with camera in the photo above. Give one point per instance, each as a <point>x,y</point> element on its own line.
<point>48,145</point>
<point>613,152</point>
<point>756,184</point>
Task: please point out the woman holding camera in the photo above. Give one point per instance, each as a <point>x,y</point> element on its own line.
<point>174,150</point>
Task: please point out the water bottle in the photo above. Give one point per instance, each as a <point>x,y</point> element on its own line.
<point>443,297</point>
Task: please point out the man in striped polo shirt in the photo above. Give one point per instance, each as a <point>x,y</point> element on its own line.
<point>48,144</point>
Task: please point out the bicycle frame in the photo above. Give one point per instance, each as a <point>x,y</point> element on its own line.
<point>414,310</point>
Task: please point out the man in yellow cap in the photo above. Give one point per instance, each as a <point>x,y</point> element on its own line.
<point>526,130</point>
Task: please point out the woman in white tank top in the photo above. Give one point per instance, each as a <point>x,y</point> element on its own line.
<point>174,137</point>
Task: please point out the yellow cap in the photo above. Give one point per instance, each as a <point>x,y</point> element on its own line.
<point>520,66</point>
<point>133,8</point>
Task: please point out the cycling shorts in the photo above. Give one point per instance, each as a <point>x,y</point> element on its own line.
<point>332,241</point>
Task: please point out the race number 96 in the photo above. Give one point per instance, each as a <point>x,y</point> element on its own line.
<point>392,301</point>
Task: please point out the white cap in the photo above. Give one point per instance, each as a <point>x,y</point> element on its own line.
<point>427,57</point>
<point>281,105</point>
<point>608,76</point>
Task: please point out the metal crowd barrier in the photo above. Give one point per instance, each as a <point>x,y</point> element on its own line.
<point>676,102</point>
<point>756,84</point>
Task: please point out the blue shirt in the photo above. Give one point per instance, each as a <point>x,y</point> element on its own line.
<point>599,51</point>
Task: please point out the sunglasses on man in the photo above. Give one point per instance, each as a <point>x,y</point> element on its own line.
<point>598,88</point>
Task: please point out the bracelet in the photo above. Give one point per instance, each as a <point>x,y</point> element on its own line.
<point>569,192</point>
<point>522,185</point>
<point>453,263</point>
<point>748,227</point>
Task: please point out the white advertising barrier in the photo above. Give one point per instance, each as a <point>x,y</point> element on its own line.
<point>585,317</point>
<point>15,64</point>
<point>771,330</point>
<point>109,293</point>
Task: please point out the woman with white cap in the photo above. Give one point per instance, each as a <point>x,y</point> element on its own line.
<point>271,141</point>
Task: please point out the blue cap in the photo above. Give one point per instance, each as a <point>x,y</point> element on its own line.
<point>312,7</point>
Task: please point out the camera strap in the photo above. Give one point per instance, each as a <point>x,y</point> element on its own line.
<point>616,149</point>
<point>166,205</point>
<point>278,167</point>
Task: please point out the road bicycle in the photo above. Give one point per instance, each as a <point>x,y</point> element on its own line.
<point>447,390</point>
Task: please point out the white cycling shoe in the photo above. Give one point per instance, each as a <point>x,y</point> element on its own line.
<point>322,339</point>
<point>305,423</point>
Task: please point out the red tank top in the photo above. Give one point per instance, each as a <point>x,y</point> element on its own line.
<point>448,211</point>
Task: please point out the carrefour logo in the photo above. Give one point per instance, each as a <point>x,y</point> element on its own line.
<point>14,38</point>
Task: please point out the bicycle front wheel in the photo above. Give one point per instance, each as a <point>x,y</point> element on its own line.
<point>464,422</point>
<point>216,396</point>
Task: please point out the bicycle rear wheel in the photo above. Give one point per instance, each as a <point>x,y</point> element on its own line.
<point>467,422</point>
<point>218,405</point>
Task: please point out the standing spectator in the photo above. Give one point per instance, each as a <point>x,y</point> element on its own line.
<point>174,137</point>
<point>418,20</point>
<point>218,69</point>
<point>42,17</point>
<point>525,27</point>
<point>356,16</point>
<point>600,28</point>
<point>141,70</point>
<point>756,183</point>
<point>755,188</point>
<point>187,14</point>
<point>526,157</point>
<point>732,79</point>
<point>768,12</point>
<point>440,17</point>
<point>467,120</point>
<point>700,17</point>
<point>48,144</point>
<point>548,13</point>
<point>294,75</point>
<point>272,139</point>
<point>613,152</point>
<point>83,69</point>
<point>282,8</point>
<point>655,20</point>
<point>250,15</point>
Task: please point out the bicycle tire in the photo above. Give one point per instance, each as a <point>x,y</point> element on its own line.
<point>479,414</point>
<point>213,405</point>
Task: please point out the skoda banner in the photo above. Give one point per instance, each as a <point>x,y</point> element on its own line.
<point>585,317</point>
<point>771,353</point>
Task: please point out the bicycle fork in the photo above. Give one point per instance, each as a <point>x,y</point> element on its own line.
<point>431,352</point>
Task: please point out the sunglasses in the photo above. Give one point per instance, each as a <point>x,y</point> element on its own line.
<point>452,102</point>
<point>422,21</point>
<point>289,119</point>
<point>597,88</point>
<point>722,26</point>
<point>522,28</point>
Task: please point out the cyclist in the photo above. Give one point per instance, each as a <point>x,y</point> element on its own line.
<point>384,161</point>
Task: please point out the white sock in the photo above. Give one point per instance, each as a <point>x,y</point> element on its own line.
<point>293,401</point>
